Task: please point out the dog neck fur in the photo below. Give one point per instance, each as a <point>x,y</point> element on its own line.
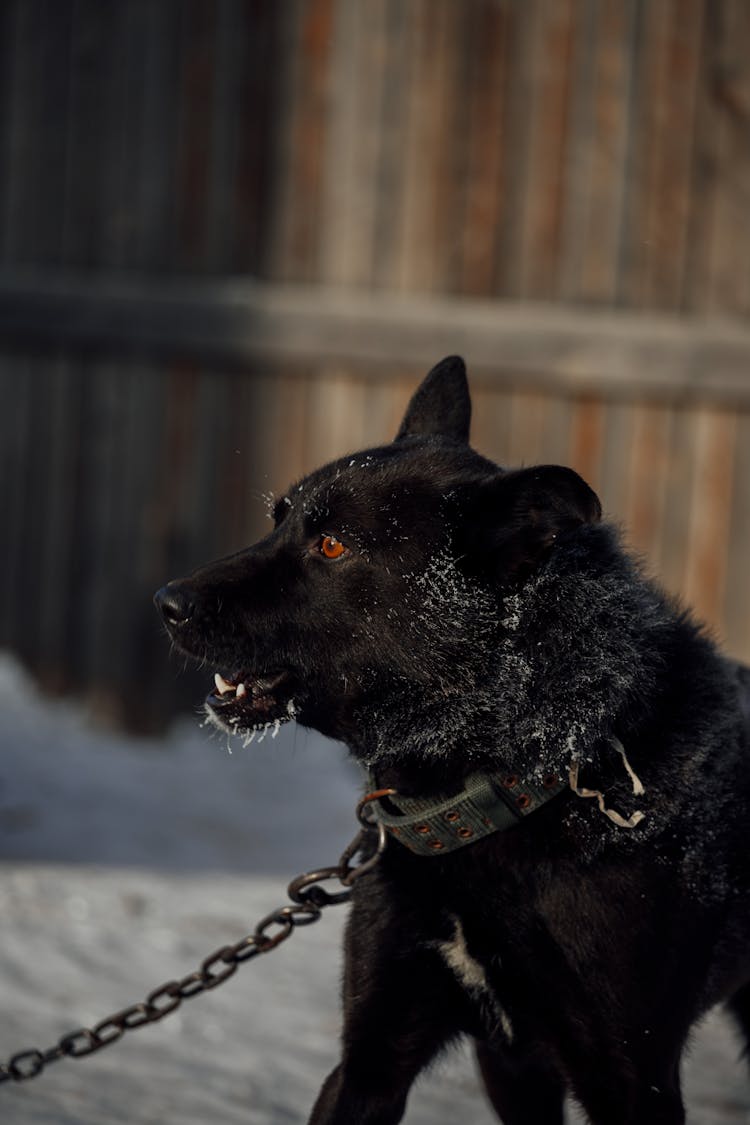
<point>545,674</point>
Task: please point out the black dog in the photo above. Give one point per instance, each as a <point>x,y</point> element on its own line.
<point>488,652</point>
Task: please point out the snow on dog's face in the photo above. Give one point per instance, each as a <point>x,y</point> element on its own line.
<point>380,578</point>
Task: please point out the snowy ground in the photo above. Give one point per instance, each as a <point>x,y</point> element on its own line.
<point>123,863</point>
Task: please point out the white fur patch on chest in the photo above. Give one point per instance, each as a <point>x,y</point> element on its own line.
<point>471,974</point>
<point>468,970</point>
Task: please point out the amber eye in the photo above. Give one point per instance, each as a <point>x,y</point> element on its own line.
<point>332,548</point>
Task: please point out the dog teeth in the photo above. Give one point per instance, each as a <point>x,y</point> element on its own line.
<point>222,686</point>
<point>241,690</point>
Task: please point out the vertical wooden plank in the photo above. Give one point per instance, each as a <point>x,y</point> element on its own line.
<point>490,421</point>
<point>487,167</point>
<point>547,117</point>
<point>411,159</point>
<point>661,187</point>
<point>611,126</point>
<point>273,453</point>
<point>719,237</point>
<point>290,459</point>
<point>451,158</point>
<point>601,125</point>
<point>579,152</point>
<point>259,434</point>
<point>9,15</point>
<point>614,482</point>
<point>197,92</point>
<point>173,480</point>
<point>587,440</point>
<point>279,258</point>
<point>424,139</point>
<point>25,605</point>
<point>85,442</point>
<point>649,99</point>
<point>15,426</point>
<point>136,570</point>
<point>680,473</point>
<point>730,235</point>
<point>557,432</point>
<point>305,227</point>
<point>736,609</point>
<point>710,514</point>
<point>168,396</point>
<point>104,451</point>
<point>353,144</point>
<point>255,199</point>
<point>647,480</point>
<point>526,430</point>
<point>34,151</point>
<point>395,122</point>
<point>123,687</point>
<point>110,636</point>
<point>378,412</point>
<point>138,94</point>
<point>521,53</point>
<point>45,187</point>
<point>243,479</point>
<point>703,172</point>
<point>57,556</point>
<point>156,109</point>
<point>401,390</point>
<point>352,400</point>
<point>144,434</point>
<point>203,506</point>
<point>144,568</point>
<point>118,154</point>
<point>86,202</point>
<point>335,419</point>
<point>230,59</point>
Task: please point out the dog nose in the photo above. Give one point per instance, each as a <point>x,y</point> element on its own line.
<point>174,603</point>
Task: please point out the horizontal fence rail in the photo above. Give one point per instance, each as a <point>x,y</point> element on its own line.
<point>553,348</point>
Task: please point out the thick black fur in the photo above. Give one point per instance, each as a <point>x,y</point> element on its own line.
<point>479,618</point>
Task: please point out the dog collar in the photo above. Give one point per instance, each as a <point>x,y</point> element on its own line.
<point>487,803</point>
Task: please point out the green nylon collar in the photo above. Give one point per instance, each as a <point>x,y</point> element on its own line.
<point>487,803</point>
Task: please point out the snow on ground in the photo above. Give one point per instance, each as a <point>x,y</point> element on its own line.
<point>123,863</point>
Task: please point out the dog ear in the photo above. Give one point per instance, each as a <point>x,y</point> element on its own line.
<point>523,512</point>
<point>441,404</point>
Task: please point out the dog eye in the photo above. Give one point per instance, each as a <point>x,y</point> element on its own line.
<point>331,547</point>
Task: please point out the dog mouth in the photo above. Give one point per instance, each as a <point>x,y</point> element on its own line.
<point>246,702</point>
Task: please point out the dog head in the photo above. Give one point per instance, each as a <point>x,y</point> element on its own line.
<point>382,580</point>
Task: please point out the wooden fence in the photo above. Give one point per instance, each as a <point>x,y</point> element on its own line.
<point>235,233</point>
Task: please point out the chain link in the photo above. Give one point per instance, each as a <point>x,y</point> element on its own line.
<point>309,899</point>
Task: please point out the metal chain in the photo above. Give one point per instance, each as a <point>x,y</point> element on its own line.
<point>308,901</point>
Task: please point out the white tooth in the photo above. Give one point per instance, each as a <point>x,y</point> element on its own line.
<point>221,684</point>
<point>241,690</point>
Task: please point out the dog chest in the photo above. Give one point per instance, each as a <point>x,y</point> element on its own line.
<point>472,977</point>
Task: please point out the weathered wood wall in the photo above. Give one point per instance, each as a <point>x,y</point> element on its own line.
<point>389,174</point>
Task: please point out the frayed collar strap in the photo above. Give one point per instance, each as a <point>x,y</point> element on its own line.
<point>487,803</point>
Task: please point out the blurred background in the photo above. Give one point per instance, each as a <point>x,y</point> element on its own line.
<point>235,233</point>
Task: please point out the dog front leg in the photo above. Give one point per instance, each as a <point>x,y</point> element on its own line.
<point>399,1010</point>
<point>388,1039</point>
<point>629,1090</point>
<point>524,1086</point>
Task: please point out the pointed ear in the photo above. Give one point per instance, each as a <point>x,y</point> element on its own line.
<point>522,513</point>
<point>441,405</point>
